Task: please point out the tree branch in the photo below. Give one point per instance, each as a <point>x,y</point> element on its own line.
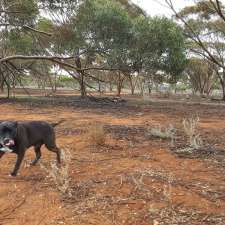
<point>196,37</point>
<point>218,9</point>
<point>37,31</point>
<point>55,59</point>
<point>51,58</point>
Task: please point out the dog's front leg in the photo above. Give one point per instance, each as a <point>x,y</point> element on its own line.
<point>1,154</point>
<point>20,156</point>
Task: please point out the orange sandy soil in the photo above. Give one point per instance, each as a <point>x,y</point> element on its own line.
<point>133,178</point>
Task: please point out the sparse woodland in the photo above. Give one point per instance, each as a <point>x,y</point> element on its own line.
<point>98,46</point>
<point>139,106</point>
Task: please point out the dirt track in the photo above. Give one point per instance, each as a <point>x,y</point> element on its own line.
<point>132,179</point>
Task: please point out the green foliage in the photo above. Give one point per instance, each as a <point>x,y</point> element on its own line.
<point>21,11</point>
<point>20,43</point>
<point>203,8</point>
<point>130,43</point>
<point>204,27</point>
<point>114,34</point>
<point>59,4</point>
<point>132,9</point>
<point>65,81</point>
<point>202,20</point>
<point>103,24</point>
<point>44,24</point>
<point>18,13</point>
<point>159,45</point>
<point>200,75</point>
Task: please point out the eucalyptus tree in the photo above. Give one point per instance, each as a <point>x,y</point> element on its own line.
<point>100,29</point>
<point>201,75</point>
<point>26,37</point>
<point>15,18</point>
<point>204,26</point>
<point>158,46</point>
<point>77,33</point>
<point>129,44</point>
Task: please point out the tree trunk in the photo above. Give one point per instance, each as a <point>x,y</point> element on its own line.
<point>223,85</point>
<point>175,88</point>
<point>141,89</point>
<point>99,87</point>
<point>51,82</point>
<point>8,88</point>
<point>119,84</point>
<point>223,89</point>
<point>222,82</point>
<point>149,88</point>
<point>110,86</point>
<point>7,85</point>
<point>2,84</point>
<point>141,83</point>
<point>82,85</point>
<point>81,81</point>
<point>2,81</point>
<point>55,83</point>
<point>132,86</point>
<point>157,87</point>
<point>13,87</point>
<point>8,91</point>
<point>118,90</point>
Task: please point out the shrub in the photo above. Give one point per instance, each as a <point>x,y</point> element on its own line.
<point>164,133</point>
<point>60,174</point>
<point>96,134</point>
<point>190,128</point>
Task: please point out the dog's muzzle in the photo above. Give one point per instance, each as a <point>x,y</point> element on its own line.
<point>7,143</point>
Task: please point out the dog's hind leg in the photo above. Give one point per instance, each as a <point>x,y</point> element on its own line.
<point>51,146</point>
<point>20,157</point>
<point>54,148</point>
<point>37,150</point>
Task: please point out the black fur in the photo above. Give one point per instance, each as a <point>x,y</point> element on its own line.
<point>22,135</point>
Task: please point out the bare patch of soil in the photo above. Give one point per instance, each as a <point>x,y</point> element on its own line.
<point>133,178</point>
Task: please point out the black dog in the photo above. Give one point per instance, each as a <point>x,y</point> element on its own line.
<point>19,136</point>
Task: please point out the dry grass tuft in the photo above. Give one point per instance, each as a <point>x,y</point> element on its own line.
<point>190,128</point>
<point>164,133</point>
<point>60,174</point>
<point>96,134</point>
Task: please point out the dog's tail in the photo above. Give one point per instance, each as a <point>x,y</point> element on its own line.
<point>57,123</point>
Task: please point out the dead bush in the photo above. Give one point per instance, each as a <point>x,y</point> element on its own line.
<point>96,134</point>
<point>164,133</point>
<point>60,174</point>
<point>190,128</point>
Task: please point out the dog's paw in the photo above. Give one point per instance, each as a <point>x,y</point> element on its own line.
<point>34,163</point>
<point>31,164</point>
<point>13,174</point>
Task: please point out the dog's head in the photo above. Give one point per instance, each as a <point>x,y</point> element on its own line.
<point>8,132</point>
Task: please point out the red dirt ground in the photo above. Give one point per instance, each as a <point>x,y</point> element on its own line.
<point>133,178</point>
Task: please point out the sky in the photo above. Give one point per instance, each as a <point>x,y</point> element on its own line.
<point>158,7</point>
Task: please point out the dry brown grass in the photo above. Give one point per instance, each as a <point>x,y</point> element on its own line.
<point>163,132</point>
<point>60,174</point>
<point>96,134</point>
<point>167,132</point>
<point>190,126</point>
